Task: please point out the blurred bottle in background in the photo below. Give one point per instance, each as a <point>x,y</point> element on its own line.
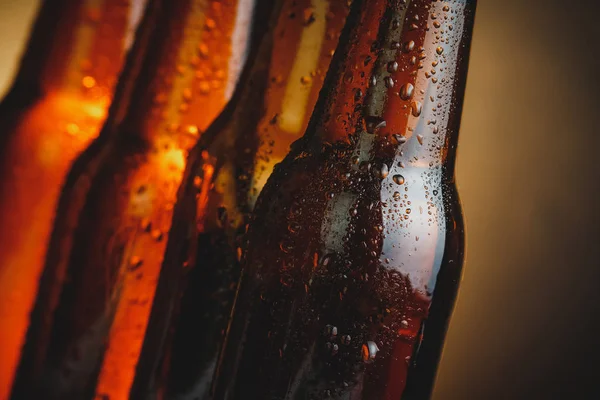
<point>54,109</point>
<point>355,248</point>
<point>114,213</point>
<point>194,298</point>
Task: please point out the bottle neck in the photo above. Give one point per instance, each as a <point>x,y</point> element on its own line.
<point>396,84</point>
<point>77,47</point>
<point>189,73</point>
<point>308,32</point>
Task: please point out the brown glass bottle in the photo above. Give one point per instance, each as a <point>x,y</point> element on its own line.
<point>253,134</point>
<point>355,249</point>
<point>55,108</point>
<point>115,210</point>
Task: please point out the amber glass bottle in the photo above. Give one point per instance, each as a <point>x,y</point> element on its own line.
<point>115,210</point>
<point>253,134</point>
<point>55,108</point>
<point>355,249</point>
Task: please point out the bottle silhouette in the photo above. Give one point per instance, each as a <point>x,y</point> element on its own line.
<point>253,133</point>
<point>54,109</point>
<point>114,213</point>
<point>353,256</point>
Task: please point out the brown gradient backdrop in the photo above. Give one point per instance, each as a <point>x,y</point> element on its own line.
<point>526,324</point>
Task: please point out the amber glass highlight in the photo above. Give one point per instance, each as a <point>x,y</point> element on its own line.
<point>355,249</point>
<point>56,106</point>
<point>253,134</point>
<point>115,210</point>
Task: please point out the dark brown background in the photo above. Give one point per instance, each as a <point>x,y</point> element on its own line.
<point>525,326</point>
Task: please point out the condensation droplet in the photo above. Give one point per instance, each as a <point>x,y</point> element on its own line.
<point>399,138</point>
<point>384,171</point>
<point>135,262</point>
<point>192,130</point>
<point>88,82</point>
<point>416,108</point>
<point>406,91</point>
<point>369,352</point>
<point>389,82</point>
<point>72,129</point>
<point>374,123</point>
<point>439,50</point>
<point>409,46</point>
<point>156,234</point>
<point>420,139</point>
<point>399,179</point>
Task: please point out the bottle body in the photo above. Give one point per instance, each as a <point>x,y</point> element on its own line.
<point>55,108</point>
<point>252,135</point>
<point>115,210</point>
<point>339,293</point>
<point>354,252</point>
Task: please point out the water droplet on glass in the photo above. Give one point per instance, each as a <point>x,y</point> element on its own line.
<point>374,123</point>
<point>409,46</point>
<point>406,91</point>
<point>145,224</point>
<point>439,50</point>
<point>306,80</point>
<point>399,179</point>
<point>88,82</point>
<point>399,138</point>
<point>192,130</point>
<point>389,82</point>
<point>204,87</point>
<point>135,262</point>
<point>369,352</point>
<point>203,50</point>
<point>72,129</point>
<point>392,66</point>
<point>156,234</point>
<point>416,108</point>
<point>330,330</point>
<point>186,94</point>
<point>420,139</point>
<point>384,171</point>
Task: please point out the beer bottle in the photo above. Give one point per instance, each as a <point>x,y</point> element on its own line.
<point>355,247</point>
<point>250,137</point>
<point>54,109</point>
<point>115,210</point>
